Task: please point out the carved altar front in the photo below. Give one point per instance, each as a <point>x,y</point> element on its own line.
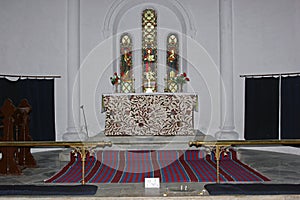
<point>149,114</point>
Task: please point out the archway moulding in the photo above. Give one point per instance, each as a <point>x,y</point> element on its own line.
<point>119,7</point>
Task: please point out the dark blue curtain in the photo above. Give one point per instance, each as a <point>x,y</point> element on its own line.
<point>40,95</point>
<point>261,108</point>
<point>290,108</point>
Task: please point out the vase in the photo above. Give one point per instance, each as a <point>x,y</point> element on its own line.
<point>116,86</point>
<point>180,87</point>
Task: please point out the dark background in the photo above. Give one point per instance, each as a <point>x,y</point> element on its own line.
<point>40,95</point>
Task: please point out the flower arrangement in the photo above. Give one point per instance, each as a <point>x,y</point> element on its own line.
<point>115,79</point>
<point>181,78</point>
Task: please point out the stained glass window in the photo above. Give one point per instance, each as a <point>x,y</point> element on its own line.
<point>149,50</point>
<point>127,82</point>
<point>172,61</point>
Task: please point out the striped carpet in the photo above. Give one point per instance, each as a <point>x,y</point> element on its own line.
<point>169,166</point>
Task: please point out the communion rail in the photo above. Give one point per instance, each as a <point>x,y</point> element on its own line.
<point>213,146</point>
<point>78,147</point>
<point>222,145</point>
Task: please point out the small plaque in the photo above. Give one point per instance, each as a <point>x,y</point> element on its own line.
<point>152,183</point>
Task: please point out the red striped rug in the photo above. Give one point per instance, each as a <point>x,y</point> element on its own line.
<point>169,166</point>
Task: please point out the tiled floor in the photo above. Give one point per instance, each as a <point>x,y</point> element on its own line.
<point>279,167</point>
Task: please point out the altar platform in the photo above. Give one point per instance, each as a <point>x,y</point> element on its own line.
<point>279,167</point>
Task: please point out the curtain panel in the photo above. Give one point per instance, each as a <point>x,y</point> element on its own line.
<point>40,95</point>
<point>262,108</point>
<point>290,107</point>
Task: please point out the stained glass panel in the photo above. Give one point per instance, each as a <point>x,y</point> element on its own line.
<point>149,50</point>
<point>172,61</point>
<point>127,81</point>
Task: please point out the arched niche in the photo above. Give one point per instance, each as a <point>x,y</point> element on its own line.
<point>125,16</point>
<point>120,7</point>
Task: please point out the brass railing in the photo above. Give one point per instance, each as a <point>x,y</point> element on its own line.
<point>218,146</point>
<point>222,145</point>
<point>79,147</point>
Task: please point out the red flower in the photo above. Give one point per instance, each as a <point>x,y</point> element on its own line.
<point>181,78</point>
<point>122,74</point>
<point>115,79</point>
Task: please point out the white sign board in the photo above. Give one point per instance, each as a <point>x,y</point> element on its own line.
<point>152,183</point>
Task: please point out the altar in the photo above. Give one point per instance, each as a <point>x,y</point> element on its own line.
<point>144,114</point>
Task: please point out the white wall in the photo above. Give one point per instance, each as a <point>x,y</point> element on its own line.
<point>33,41</point>
<point>266,40</point>
<point>202,55</point>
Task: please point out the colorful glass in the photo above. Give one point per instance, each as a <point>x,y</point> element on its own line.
<point>149,50</point>
<point>127,81</point>
<point>172,61</point>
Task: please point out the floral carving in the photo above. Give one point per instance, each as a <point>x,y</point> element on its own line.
<point>149,114</point>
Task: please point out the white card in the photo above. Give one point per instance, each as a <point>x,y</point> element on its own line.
<point>152,183</point>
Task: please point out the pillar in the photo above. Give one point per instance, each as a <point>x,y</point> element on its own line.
<point>227,125</point>
<point>73,132</point>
